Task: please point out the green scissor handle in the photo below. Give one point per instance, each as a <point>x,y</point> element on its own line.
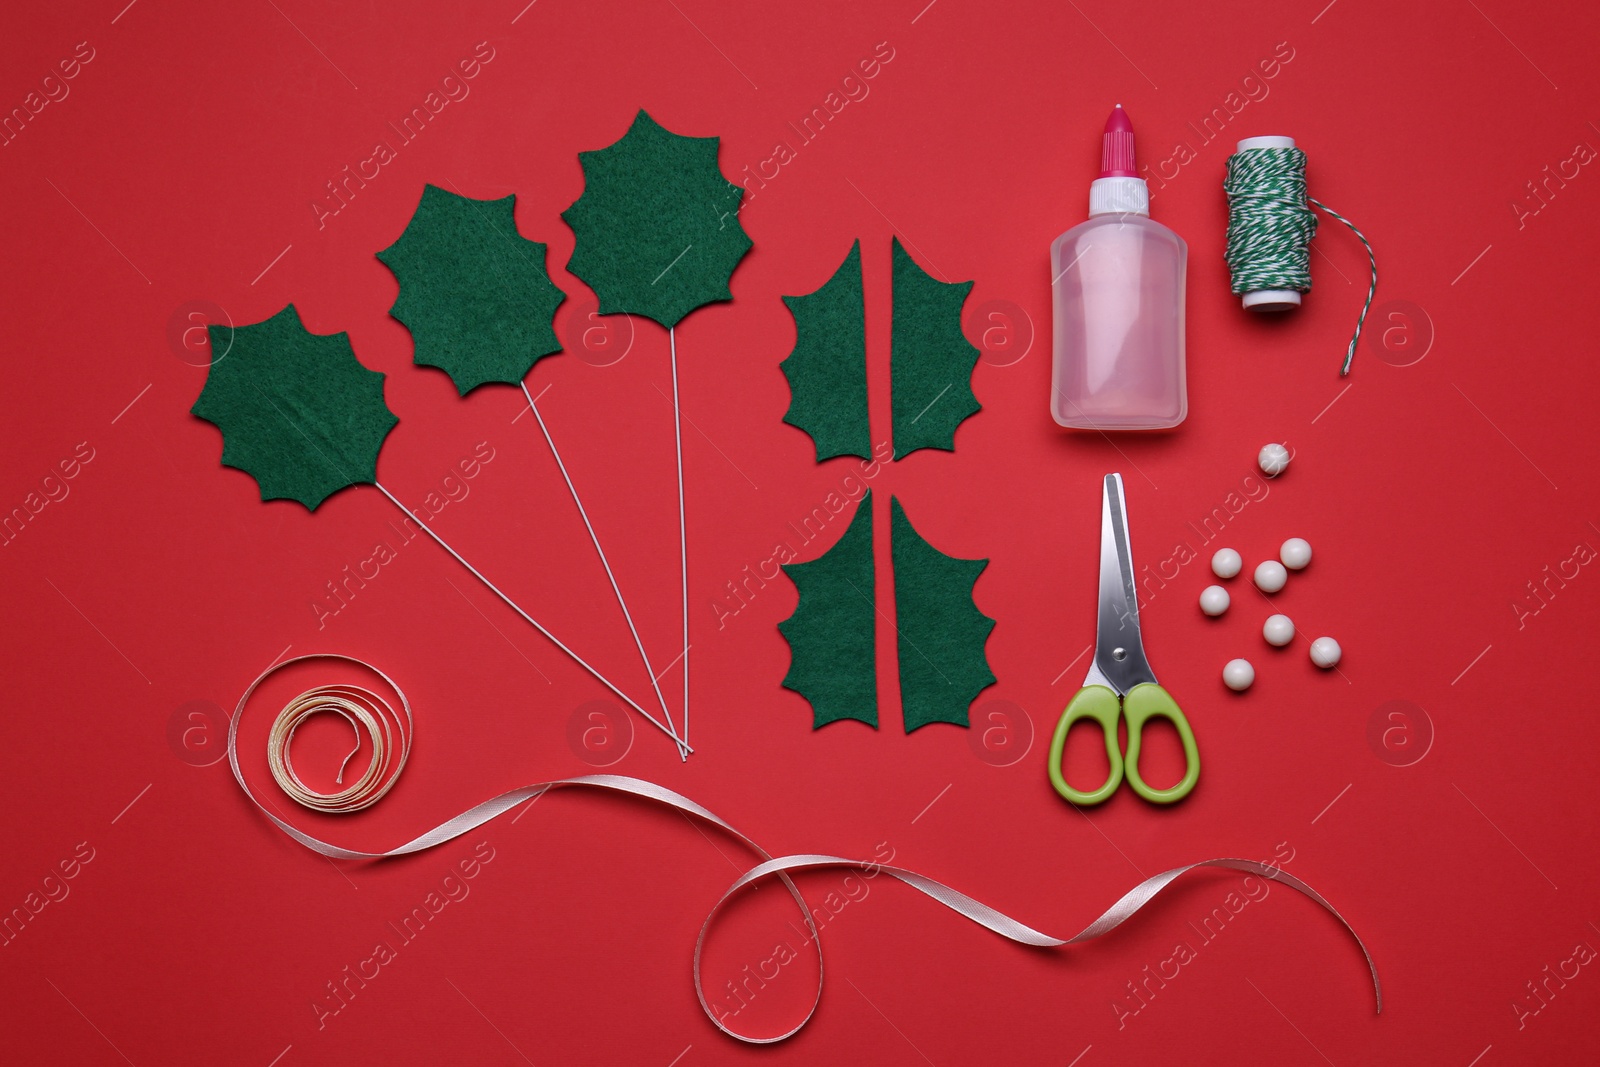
<point>1143,703</point>
<point>1102,705</point>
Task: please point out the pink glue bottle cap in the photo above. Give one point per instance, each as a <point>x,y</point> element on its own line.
<point>1119,189</point>
<point>1116,146</point>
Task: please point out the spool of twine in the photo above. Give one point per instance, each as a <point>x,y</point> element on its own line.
<point>1270,227</point>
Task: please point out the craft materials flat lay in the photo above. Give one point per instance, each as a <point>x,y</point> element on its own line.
<point>658,235</point>
<point>1119,363</point>
<point>781,867</point>
<point>305,419</point>
<point>300,415</point>
<point>1120,685</point>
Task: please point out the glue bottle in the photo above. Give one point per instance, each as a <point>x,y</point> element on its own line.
<point>1117,290</point>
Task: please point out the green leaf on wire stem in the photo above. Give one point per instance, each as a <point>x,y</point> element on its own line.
<point>657,226</point>
<point>297,412</point>
<point>473,291</point>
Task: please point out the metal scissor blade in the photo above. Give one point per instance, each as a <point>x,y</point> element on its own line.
<point>1119,649</point>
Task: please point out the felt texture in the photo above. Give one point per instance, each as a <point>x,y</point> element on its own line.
<point>297,412</point>
<point>657,226</point>
<point>833,660</point>
<point>943,665</point>
<point>827,370</point>
<point>931,360</point>
<point>473,291</point>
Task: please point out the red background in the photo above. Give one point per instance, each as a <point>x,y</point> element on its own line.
<point>181,168</point>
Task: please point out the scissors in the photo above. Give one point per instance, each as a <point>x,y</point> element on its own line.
<point>1120,684</point>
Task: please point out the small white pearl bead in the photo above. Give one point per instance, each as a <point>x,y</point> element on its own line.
<point>1278,630</point>
<point>1238,675</point>
<point>1270,576</point>
<point>1226,563</point>
<point>1295,553</point>
<point>1214,600</point>
<point>1274,460</point>
<point>1325,652</point>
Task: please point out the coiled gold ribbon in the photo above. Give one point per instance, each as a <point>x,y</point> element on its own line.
<point>779,867</point>
<point>386,732</point>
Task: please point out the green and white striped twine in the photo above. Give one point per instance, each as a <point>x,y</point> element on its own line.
<point>1270,227</point>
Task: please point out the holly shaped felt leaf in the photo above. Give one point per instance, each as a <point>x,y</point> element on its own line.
<point>832,655</point>
<point>296,411</point>
<point>827,370</point>
<point>930,359</point>
<point>473,291</point>
<point>941,631</point>
<point>657,226</point>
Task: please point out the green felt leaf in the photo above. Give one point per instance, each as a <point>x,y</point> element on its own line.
<point>827,370</point>
<point>930,359</point>
<point>657,225</point>
<point>296,411</point>
<point>943,665</point>
<point>473,291</point>
<point>833,662</point>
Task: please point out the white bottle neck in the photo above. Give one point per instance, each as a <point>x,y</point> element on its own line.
<point>1119,196</point>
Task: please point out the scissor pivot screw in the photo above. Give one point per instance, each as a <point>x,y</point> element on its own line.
<point>1119,654</point>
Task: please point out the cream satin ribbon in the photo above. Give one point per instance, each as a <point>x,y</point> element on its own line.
<point>779,867</point>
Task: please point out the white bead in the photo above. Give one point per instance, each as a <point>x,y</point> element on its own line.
<point>1274,460</point>
<point>1214,600</point>
<point>1226,563</point>
<point>1270,576</point>
<point>1278,630</point>
<point>1238,675</point>
<point>1295,553</point>
<point>1325,652</point>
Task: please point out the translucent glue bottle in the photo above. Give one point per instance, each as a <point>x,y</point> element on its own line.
<point>1117,289</point>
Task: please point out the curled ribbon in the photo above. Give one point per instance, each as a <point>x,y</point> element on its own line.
<point>388,735</point>
<point>974,910</point>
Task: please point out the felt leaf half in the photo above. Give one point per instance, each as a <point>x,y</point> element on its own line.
<point>657,226</point>
<point>833,660</point>
<point>297,412</point>
<point>827,370</point>
<point>943,665</point>
<point>473,291</point>
<point>930,359</point>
